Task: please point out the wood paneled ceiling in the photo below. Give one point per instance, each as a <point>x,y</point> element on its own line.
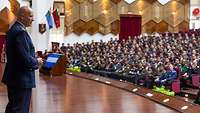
<point>103,15</point>
<point>7,17</point>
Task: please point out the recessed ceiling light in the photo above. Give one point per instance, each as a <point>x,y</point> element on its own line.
<point>104,11</point>
<point>174,13</point>
<point>140,12</point>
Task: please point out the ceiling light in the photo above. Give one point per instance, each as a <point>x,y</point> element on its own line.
<point>140,12</point>
<point>104,11</point>
<point>174,13</point>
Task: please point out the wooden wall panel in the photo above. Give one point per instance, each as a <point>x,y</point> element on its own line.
<point>68,30</point>
<point>92,27</point>
<point>86,11</point>
<point>161,27</point>
<point>80,1</point>
<point>71,12</point>
<point>107,29</point>
<point>138,6</point>
<point>122,8</point>
<point>174,13</point>
<point>146,14</point>
<point>170,28</point>
<point>79,27</point>
<point>115,27</point>
<point>149,27</point>
<point>104,29</point>
<point>183,26</point>
<point>151,1</point>
<point>103,15</point>
<point>183,1</point>
<point>116,1</point>
<point>100,6</point>
<point>187,14</point>
<point>157,12</point>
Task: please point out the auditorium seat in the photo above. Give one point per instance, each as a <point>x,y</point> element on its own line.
<point>195,80</point>
<point>176,86</point>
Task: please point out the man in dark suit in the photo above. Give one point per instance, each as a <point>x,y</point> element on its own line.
<point>19,74</point>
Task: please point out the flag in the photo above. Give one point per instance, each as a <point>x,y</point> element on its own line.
<point>56,18</point>
<point>49,19</point>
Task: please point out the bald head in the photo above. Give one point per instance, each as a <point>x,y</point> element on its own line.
<point>25,16</point>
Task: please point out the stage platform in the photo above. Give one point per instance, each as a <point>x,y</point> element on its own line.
<point>173,103</point>
<point>74,94</point>
<point>191,93</point>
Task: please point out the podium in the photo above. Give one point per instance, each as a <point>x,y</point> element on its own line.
<point>55,65</point>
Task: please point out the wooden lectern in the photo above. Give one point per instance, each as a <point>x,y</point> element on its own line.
<point>58,69</point>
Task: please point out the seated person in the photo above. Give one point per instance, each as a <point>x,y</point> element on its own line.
<point>110,67</point>
<point>168,77</point>
<point>75,62</point>
<point>117,66</point>
<point>63,48</point>
<point>184,73</point>
<point>187,73</point>
<point>195,69</point>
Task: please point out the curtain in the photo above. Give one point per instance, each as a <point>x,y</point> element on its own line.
<point>130,25</point>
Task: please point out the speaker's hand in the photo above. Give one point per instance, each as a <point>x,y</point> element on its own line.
<point>40,61</point>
